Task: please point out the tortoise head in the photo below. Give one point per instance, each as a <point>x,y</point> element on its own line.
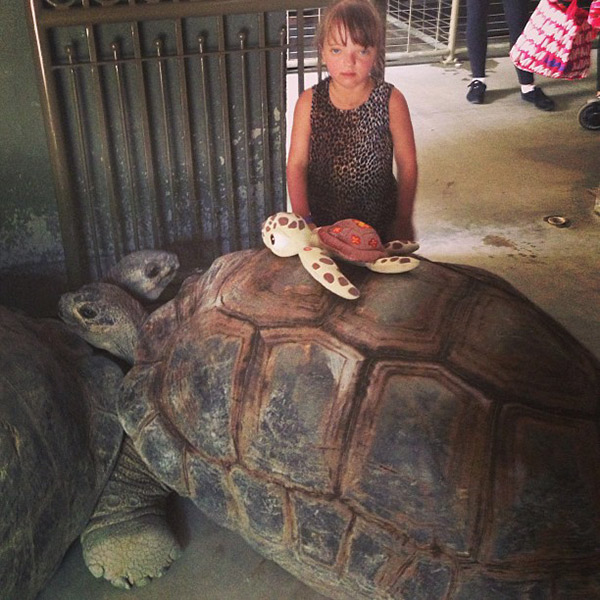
<point>285,234</point>
<point>145,273</point>
<point>105,316</point>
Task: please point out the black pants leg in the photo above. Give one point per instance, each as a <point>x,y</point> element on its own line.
<point>516,14</point>
<point>477,18</point>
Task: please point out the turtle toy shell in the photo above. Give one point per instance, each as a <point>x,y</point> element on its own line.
<point>437,439</point>
<point>352,240</point>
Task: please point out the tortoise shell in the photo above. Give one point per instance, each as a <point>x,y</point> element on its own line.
<point>59,439</point>
<point>436,439</point>
<point>352,240</point>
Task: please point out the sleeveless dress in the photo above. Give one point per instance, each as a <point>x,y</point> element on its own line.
<point>350,160</point>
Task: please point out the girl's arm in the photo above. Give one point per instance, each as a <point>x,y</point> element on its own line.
<point>405,156</point>
<point>297,162</point>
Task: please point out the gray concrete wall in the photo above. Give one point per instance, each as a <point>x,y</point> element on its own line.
<point>31,256</point>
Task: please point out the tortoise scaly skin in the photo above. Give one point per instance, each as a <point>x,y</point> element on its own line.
<point>145,273</point>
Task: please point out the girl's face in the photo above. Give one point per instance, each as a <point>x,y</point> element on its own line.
<point>349,64</point>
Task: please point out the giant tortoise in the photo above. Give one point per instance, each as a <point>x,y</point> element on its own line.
<point>60,442</point>
<point>435,439</point>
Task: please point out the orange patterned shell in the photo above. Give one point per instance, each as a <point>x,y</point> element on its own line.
<point>352,240</point>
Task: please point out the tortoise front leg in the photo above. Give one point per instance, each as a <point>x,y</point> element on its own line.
<point>128,541</point>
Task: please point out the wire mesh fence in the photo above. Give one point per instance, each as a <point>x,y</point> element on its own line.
<point>416,30</point>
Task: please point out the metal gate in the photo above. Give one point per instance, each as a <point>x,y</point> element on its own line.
<point>165,123</point>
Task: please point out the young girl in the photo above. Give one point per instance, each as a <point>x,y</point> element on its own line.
<point>350,128</point>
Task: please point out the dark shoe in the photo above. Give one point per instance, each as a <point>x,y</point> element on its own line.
<point>476,92</point>
<point>538,99</point>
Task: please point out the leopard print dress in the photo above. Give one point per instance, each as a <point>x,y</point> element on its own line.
<point>350,160</point>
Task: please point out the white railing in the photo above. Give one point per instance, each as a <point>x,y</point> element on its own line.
<point>416,31</point>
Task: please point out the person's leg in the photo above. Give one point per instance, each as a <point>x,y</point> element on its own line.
<point>477,15</point>
<point>517,14</point>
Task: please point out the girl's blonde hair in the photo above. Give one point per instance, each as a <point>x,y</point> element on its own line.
<point>359,19</point>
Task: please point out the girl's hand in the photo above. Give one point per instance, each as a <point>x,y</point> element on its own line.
<point>404,231</point>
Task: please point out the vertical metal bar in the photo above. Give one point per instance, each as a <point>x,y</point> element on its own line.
<point>300,49</point>
<point>212,187</point>
<point>452,32</point>
<point>124,119</point>
<point>283,104</point>
<point>598,70</point>
<point>104,142</point>
<point>63,185</point>
<point>158,44</point>
<point>245,135</point>
<point>264,102</point>
<point>142,105</point>
<point>228,163</point>
<point>438,21</point>
<point>320,65</point>
<point>410,25</point>
<point>186,135</point>
<point>84,153</point>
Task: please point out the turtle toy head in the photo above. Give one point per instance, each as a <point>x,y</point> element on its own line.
<point>285,234</point>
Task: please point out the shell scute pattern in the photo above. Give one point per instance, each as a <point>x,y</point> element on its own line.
<point>418,325</point>
<point>376,476</point>
<point>265,504</point>
<point>257,299</point>
<point>296,428</point>
<point>531,334</point>
<point>366,447</point>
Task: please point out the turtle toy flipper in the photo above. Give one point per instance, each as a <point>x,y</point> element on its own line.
<point>393,264</point>
<point>396,260</point>
<point>401,247</point>
<point>321,266</point>
<point>287,234</point>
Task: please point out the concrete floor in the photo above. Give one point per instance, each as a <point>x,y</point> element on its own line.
<point>489,175</point>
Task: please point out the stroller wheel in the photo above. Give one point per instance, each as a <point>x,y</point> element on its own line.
<point>589,115</point>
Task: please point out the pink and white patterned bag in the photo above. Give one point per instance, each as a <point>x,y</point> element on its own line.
<point>594,16</point>
<point>556,42</point>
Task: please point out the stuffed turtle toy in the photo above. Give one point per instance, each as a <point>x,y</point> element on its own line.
<point>61,445</point>
<point>436,439</point>
<point>287,234</point>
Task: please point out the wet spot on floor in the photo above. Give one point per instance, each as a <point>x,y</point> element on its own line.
<point>499,241</point>
<point>518,250</point>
